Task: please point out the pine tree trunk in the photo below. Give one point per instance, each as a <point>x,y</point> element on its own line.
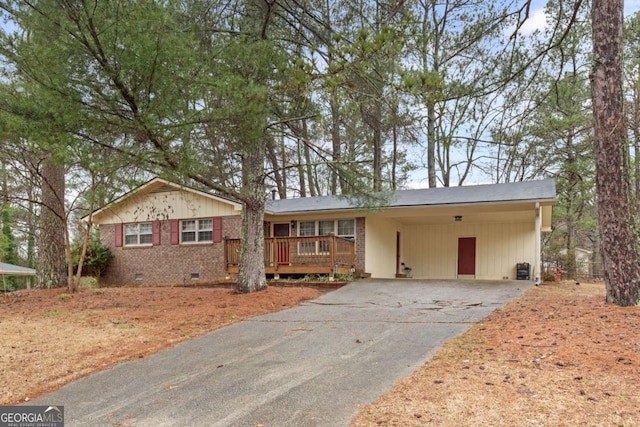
<point>51,264</point>
<point>31,233</point>
<point>618,241</point>
<point>377,144</point>
<point>336,143</point>
<point>431,144</point>
<point>300,167</point>
<point>311,178</point>
<point>278,169</point>
<point>251,274</point>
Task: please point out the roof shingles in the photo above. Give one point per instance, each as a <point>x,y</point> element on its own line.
<point>15,270</point>
<point>540,190</point>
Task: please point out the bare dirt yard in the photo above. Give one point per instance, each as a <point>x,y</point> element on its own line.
<point>558,356</point>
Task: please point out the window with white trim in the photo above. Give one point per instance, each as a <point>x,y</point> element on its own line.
<point>138,234</point>
<point>307,228</point>
<point>345,228</point>
<point>196,231</point>
<point>325,228</point>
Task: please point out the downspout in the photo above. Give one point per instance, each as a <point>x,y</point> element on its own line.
<point>537,267</point>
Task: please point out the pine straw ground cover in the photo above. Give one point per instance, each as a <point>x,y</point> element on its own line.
<point>50,337</point>
<point>557,356</point>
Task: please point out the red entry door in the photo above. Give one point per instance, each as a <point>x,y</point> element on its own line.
<point>467,255</point>
<point>282,247</point>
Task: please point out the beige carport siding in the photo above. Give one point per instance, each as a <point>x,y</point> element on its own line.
<point>506,221</point>
<point>429,244</point>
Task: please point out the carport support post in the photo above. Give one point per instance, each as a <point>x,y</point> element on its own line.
<point>537,268</point>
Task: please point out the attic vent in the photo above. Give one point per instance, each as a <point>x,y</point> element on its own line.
<point>164,189</point>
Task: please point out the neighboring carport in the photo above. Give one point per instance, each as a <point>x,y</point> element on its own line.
<point>10,270</point>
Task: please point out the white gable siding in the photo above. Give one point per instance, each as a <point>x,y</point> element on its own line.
<point>166,205</point>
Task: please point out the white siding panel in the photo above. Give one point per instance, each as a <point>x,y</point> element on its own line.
<point>380,253</point>
<point>432,250</point>
<point>167,205</point>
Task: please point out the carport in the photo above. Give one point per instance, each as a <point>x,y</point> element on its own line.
<point>10,270</point>
<point>477,232</point>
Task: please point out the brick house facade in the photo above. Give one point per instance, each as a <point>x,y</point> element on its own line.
<point>422,228</point>
<point>162,255</point>
<point>166,263</point>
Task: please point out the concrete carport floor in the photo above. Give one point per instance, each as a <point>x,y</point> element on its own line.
<point>314,365</point>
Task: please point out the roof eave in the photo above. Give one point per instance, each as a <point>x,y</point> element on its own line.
<point>546,201</point>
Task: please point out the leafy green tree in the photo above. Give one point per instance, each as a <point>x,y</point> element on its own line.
<point>562,134</point>
<point>96,256</point>
<point>455,67</point>
<point>565,134</point>
<point>161,84</point>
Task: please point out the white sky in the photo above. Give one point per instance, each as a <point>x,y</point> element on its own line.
<point>537,19</point>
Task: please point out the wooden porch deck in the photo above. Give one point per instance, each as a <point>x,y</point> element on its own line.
<point>299,255</point>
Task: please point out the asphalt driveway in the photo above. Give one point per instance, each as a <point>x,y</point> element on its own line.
<point>313,365</point>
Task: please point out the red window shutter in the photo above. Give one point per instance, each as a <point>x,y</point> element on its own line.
<point>155,237</point>
<point>118,235</point>
<point>217,229</point>
<point>174,229</point>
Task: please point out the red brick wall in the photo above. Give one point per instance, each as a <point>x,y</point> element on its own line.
<point>360,243</point>
<point>167,264</point>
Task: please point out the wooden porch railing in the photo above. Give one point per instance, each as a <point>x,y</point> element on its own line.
<point>299,255</point>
